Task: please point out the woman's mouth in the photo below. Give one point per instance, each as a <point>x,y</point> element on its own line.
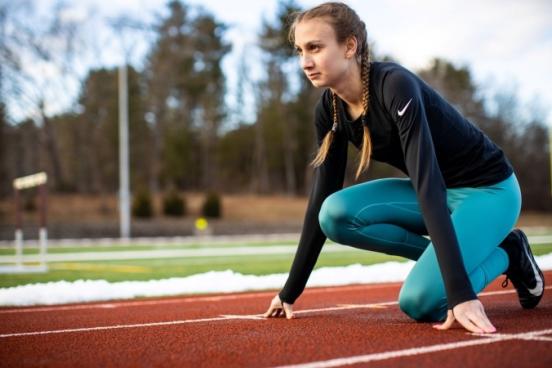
<point>313,75</point>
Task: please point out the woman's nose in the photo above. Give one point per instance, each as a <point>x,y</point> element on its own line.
<point>306,62</point>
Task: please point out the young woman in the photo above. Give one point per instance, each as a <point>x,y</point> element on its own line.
<point>461,189</point>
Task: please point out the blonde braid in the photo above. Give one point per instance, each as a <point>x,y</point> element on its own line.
<point>334,105</point>
<point>328,139</point>
<point>366,150</point>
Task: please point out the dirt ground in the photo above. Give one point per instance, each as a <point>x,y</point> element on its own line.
<point>236,207</point>
<point>81,208</point>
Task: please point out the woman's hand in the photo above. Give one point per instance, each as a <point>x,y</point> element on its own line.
<point>277,309</point>
<point>471,315</point>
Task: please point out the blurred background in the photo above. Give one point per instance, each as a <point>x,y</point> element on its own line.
<point>220,116</point>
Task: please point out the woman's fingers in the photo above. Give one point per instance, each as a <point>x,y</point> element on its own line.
<point>279,309</point>
<point>449,321</point>
<point>476,322</point>
<point>273,309</point>
<point>288,311</point>
<point>276,312</point>
<point>480,319</point>
<point>471,315</point>
<point>268,312</point>
<point>488,324</point>
<point>468,324</point>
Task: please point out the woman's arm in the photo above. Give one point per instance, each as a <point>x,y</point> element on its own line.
<point>328,178</point>
<point>403,100</point>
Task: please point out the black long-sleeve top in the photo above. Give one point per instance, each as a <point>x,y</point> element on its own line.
<point>416,130</point>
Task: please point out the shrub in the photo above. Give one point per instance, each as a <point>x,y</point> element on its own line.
<point>212,205</point>
<point>174,204</point>
<point>142,206</point>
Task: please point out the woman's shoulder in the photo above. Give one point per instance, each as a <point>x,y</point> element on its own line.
<point>385,67</point>
<point>390,72</point>
<point>392,81</point>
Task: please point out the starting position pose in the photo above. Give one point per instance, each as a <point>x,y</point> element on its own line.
<point>461,189</point>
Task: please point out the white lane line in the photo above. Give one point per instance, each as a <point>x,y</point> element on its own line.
<point>346,306</point>
<point>242,316</point>
<point>539,338</point>
<point>125,304</point>
<point>221,318</point>
<point>414,351</point>
<point>200,320</point>
<point>530,336</point>
<point>375,306</point>
<point>113,327</point>
<point>139,303</point>
<point>380,305</point>
<point>499,292</point>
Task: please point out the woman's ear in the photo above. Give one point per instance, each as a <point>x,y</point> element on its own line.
<point>351,46</point>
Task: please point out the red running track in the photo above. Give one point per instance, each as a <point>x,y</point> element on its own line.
<point>359,325</point>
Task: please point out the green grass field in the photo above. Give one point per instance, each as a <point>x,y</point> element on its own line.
<point>178,267</point>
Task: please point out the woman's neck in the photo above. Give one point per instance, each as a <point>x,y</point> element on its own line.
<point>349,88</point>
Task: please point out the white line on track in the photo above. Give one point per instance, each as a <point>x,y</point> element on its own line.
<point>179,322</point>
<point>113,327</point>
<point>241,316</point>
<point>220,318</point>
<point>489,339</point>
<point>525,336</point>
<point>139,303</point>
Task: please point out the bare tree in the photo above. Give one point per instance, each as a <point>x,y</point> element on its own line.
<point>32,43</point>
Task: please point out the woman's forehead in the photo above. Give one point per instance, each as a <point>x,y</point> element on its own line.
<point>312,30</point>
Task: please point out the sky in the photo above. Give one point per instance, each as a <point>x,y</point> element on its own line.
<point>507,44</point>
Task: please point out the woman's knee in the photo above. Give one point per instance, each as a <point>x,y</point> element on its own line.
<point>421,304</point>
<point>333,216</point>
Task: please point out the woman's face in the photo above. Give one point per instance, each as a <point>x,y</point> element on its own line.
<point>323,60</point>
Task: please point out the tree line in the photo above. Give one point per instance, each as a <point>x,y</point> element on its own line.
<point>185,136</point>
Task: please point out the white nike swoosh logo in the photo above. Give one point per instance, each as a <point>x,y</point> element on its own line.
<point>537,290</point>
<point>401,112</point>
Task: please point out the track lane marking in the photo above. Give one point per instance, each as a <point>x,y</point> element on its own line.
<point>530,336</point>
<point>224,317</point>
<point>124,304</point>
<point>220,318</point>
<point>489,339</point>
<point>112,327</point>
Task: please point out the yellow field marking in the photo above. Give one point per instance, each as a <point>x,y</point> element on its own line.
<point>99,267</point>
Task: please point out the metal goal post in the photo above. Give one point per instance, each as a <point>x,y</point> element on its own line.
<point>36,180</point>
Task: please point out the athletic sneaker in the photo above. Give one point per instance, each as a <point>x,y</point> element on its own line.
<point>523,271</point>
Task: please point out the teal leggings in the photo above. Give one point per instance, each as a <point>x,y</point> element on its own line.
<point>383,215</point>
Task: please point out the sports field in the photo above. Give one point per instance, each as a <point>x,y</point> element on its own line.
<point>153,262</point>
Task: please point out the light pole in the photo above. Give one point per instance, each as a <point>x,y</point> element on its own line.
<point>550,152</point>
<point>120,25</point>
<point>124,185</point>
